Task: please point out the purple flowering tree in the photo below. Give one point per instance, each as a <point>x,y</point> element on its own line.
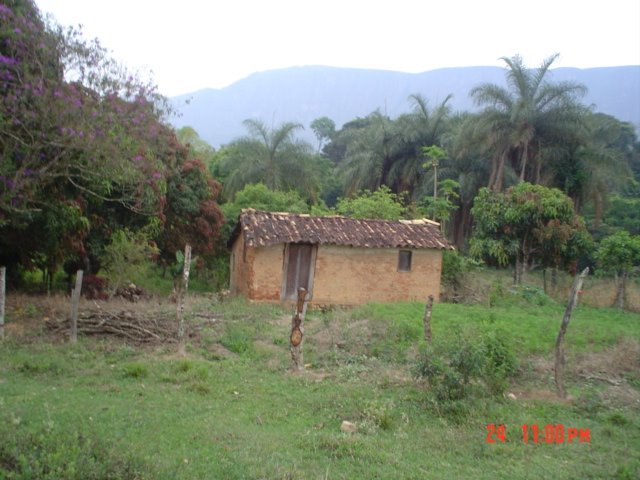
<point>84,147</point>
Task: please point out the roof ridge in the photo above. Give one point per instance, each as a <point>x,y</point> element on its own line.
<point>261,228</point>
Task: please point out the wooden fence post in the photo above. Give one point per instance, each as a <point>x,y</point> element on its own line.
<point>75,300</point>
<point>427,319</point>
<point>3,272</point>
<point>560,361</point>
<point>182,292</point>
<point>297,331</point>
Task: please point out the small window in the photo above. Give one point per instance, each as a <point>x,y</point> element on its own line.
<point>404,261</point>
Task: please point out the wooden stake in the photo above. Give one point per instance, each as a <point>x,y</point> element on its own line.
<point>75,300</point>
<point>3,272</point>
<point>427,319</point>
<point>297,331</point>
<point>560,360</point>
<point>182,292</point>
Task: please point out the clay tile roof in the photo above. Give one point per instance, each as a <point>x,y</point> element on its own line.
<point>261,229</point>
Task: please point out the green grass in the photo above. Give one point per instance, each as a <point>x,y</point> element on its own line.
<point>532,327</point>
<point>125,412</point>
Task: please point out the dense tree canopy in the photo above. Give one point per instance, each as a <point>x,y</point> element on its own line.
<point>84,150</point>
<point>526,224</point>
<point>86,154</point>
<point>272,156</point>
<point>521,121</point>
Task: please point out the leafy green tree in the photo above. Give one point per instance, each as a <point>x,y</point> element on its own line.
<point>259,197</point>
<point>191,214</point>
<point>272,156</point>
<point>518,122</point>
<point>441,208</point>
<point>624,213</point>
<point>197,147</point>
<point>382,204</point>
<point>127,256</point>
<point>324,129</point>
<point>619,253</point>
<point>514,226</point>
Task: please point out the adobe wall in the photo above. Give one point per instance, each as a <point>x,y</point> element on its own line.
<point>343,275</point>
<point>256,273</point>
<point>238,269</point>
<point>266,275</point>
<point>350,275</point>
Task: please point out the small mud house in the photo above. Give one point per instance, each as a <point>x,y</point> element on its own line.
<point>339,260</point>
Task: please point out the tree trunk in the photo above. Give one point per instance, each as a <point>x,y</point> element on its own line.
<point>598,209</point>
<point>297,331</point>
<point>3,284</point>
<point>182,292</point>
<point>494,172</point>
<point>427,319</point>
<point>621,289</point>
<point>560,360</point>
<point>525,158</point>
<point>538,169</point>
<point>554,279</point>
<point>75,300</point>
<point>499,179</point>
<point>544,281</point>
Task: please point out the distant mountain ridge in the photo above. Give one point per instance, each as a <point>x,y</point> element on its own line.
<point>302,94</point>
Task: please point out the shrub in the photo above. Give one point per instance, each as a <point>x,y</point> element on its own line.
<point>471,364</point>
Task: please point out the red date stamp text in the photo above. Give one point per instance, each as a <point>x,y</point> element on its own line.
<point>549,433</point>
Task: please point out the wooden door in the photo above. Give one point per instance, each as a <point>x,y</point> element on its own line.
<point>298,269</point>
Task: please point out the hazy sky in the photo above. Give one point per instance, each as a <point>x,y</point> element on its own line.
<point>195,44</point>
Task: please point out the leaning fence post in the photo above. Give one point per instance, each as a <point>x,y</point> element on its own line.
<point>3,272</point>
<point>427,319</point>
<point>573,300</point>
<point>297,331</point>
<point>75,300</point>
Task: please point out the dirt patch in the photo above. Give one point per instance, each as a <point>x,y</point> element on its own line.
<point>623,395</point>
<point>611,363</point>
<point>220,351</point>
<point>540,394</point>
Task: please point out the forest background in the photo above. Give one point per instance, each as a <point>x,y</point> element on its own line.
<point>93,176</point>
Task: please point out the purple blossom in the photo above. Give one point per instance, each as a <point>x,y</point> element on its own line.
<point>8,60</point>
<point>17,30</point>
<point>156,175</point>
<point>5,9</point>
<point>138,158</point>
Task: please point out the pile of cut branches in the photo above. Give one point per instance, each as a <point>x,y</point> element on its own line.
<point>151,327</point>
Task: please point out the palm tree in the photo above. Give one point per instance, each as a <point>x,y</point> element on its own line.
<point>423,127</point>
<point>529,115</point>
<point>589,168</point>
<point>271,156</point>
<point>370,153</point>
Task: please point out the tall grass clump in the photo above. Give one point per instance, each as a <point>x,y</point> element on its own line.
<point>51,454</point>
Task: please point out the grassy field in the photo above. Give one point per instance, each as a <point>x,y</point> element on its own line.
<point>231,409</point>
